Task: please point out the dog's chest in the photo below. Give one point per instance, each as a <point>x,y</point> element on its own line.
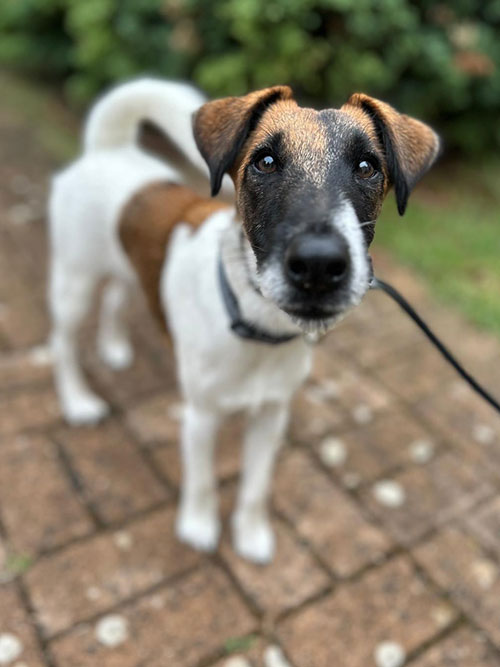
<point>250,374</point>
<point>216,367</point>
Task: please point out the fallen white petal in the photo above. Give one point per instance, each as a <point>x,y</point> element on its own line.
<point>10,648</point>
<point>389,654</point>
<point>333,452</point>
<point>112,630</point>
<point>273,657</point>
<point>483,434</point>
<point>485,572</point>
<point>237,661</point>
<point>389,493</point>
<point>421,451</point>
<point>123,540</point>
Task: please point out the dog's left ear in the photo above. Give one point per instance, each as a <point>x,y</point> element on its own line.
<point>221,127</point>
<point>410,146</point>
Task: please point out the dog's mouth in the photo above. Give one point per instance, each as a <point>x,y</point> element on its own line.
<point>311,312</point>
<point>313,317</point>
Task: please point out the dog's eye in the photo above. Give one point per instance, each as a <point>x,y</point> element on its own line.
<point>365,169</point>
<point>266,164</point>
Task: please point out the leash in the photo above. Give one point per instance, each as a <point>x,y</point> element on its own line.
<point>409,310</point>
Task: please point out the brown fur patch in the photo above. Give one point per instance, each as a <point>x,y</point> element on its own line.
<point>145,226</point>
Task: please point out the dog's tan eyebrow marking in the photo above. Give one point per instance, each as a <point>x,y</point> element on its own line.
<point>146,224</point>
<point>303,138</point>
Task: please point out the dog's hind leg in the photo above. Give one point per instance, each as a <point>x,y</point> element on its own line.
<point>253,536</point>
<point>198,522</point>
<point>70,297</point>
<point>113,342</point>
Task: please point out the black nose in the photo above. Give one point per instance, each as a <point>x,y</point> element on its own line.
<point>317,262</point>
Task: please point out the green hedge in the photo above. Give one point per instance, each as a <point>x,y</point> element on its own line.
<point>439,61</point>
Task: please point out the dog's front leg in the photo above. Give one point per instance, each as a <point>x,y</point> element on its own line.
<point>198,522</point>
<point>253,536</point>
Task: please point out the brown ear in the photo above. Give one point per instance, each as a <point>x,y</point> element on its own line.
<point>221,127</point>
<point>410,146</point>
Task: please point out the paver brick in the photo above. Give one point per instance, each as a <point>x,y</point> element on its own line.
<point>24,367</point>
<point>25,322</point>
<point>291,578</point>
<point>484,524</point>
<point>111,471</point>
<point>28,409</point>
<point>464,648</point>
<point>350,387</point>
<point>313,416</point>
<point>17,626</point>
<point>327,518</point>
<point>177,625</point>
<point>432,494</point>
<point>90,577</point>
<point>124,387</point>
<point>372,450</point>
<point>156,419</point>
<point>460,566</point>
<point>389,603</point>
<point>466,421</point>
<point>418,374</point>
<point>37,504</point>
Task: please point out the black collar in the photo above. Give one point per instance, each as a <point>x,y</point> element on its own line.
<point>238,325</point>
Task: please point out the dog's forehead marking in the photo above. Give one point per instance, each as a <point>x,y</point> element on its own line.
<point>311,139</point>
<point>304,137</point>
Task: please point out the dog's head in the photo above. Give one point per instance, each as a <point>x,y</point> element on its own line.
<point>309,187</point>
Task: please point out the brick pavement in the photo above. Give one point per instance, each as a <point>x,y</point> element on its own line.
<point>386,501</point>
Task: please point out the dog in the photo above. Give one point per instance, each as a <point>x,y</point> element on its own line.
<point>241,289</point>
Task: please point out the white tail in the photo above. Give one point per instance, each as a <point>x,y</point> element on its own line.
<point>113,121</point>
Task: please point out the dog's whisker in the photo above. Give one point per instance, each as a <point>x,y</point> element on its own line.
<point>367,222</point>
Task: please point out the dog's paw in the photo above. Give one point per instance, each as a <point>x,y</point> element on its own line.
<point>85,409</point>
<point>117,354</point>
<point>253,537</point>
<point>200,529</point>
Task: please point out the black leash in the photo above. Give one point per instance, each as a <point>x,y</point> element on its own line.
<point>403,303</point>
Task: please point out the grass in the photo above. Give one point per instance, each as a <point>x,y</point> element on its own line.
<point>450,235</point>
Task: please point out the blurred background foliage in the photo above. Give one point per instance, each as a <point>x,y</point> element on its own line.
<point>436,60</point>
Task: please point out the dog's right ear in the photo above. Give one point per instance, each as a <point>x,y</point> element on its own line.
<point>221,127</point>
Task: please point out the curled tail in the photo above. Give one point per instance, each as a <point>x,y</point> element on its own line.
<point>114,120</point>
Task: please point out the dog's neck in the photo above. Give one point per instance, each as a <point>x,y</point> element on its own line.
<point>241,271</point>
